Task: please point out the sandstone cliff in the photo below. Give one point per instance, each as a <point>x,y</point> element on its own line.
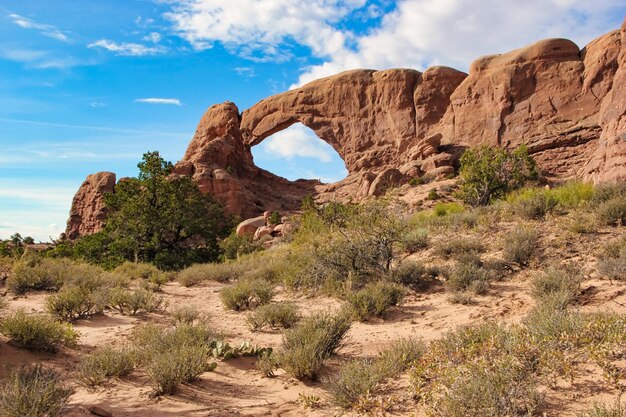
<point>567,105</point>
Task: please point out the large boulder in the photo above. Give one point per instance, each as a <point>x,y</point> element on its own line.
<point>88,211</point>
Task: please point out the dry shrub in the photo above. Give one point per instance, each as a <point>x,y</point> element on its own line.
<point>560,283</point>
<point>104,363</point>
<point>246,294</point>
<point>520,245</point>
<point>459,247</point>
<point>37,331</point>
<point>280,315</point>
<point>375,299</point>
<point>221,272</point>
<point>612,212</point>
<point>137,301</point>
<point>75,303</point>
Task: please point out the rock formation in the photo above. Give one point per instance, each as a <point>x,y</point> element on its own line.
<point>567,105</point>
<point>88,211</point>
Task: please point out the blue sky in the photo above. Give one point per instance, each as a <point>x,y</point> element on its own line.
<point>89,85</point>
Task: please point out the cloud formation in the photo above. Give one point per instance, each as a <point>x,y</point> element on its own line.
<point>127,48</point>
<point>296,141</point>
<point>46,30</point>
<point>155,100</point>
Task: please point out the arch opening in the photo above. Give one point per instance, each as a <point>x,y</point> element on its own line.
<point>298,153</point>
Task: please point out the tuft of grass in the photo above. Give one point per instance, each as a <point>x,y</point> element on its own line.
<point>73,303</point>
<point>137,301</point>
<point>33,392</point>
<point>169,369</point>
<point>220,272</point>
<point>573,194</point>
<point>532,203</point>
<point>468,275</point>
<point>246,294</point>
<point>557,283</point>
<point>416,239</point>
<point>520,245</point>
<point>400,356</point>
<point>459,247</point>
<point>37,331</point>
<point>445,209</point>
<point>612,212</point>
<point>104,363</point>
<point>280,315</point>
<point>185,315</point>
<point>375,299</point>
<point>307,346</point>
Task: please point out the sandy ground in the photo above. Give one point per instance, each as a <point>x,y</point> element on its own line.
<point>236,388</point>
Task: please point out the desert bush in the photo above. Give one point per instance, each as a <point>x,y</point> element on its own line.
<point>169,369</point>
<point>460,297</point>
<point>487,173</point>
<point>235,246</point>
<point>33,392</point>
<point>355,380</point>
<point>413,274</point>
<point>104,363</point>
<point>75,303</point>
<point>582,223</point>
<point>400,356</point>
<point>246,294</point>
<point>375,299</point>
<point>151,340</point>
<point>185,315</point>
<point>557,283</point>
<point>133,302</point>
<point>415,240</point>
<point>488,388</point>
<point>468,275</point>
<point>612,260</point>
<point>446,209</point>
<point>551,322</point>
<point>267,364</point>
<point>532,203</point>
<point>143,271</point>
<point>520,244</point>
<point>459,246</point>
<point>613,211</point>
<point>37,274</point>
<point>37,331</point>
<point>311,342</point>
<point>606,191</point>
<point>284,315</point>
<point>573,194</point>
<point>222,272</point>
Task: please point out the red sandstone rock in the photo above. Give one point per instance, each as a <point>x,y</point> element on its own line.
<point>250,226</point>
<point>88,211</point>
<point>263,231</point>
<point>568,106</point>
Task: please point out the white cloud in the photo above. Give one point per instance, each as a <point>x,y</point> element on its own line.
<point>127,48</point>
<point>154,37</point>
<point>251,27</point>
<point>153,100</point>
<point>296,141</point>
<point>247,72</point>
<point>41,59</point>
<point>422,33</point>
<point>46,30</point>
<point>97,104</point>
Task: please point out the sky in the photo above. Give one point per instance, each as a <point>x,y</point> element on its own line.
<point>90,85</point>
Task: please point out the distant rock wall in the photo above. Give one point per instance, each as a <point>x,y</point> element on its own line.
<point>567,105</point>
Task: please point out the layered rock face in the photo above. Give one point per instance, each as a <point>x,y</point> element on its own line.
<point>88,211</point>
<point>567,105</point>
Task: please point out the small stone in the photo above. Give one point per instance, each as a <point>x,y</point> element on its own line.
<point>99,411</point>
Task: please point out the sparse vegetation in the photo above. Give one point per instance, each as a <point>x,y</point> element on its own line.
<point>279,315</point>
<point>33,392</point>
<point>456,247</point>
<point>557,283</point>
<point>532,203</point>
<point>75,303</point>
<point>133,302</point>
<point>416,239</point>
<point>612,262</point>
<point>613,211</point>
<point>185,315</point>
<point>468,275</point>
<point>195,274</point>
<point>310,343</point>
<point>520,245</point>
<point>246,294</point>
<point>375,299</point>
<point>104,363</point>
<point>37,331</point>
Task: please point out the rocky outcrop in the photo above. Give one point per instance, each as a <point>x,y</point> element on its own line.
<point>88,210</point>
<point>567,105</point>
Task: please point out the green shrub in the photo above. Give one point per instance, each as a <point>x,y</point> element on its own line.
<point>37,331</point>
<point>37,274</point>
<point>167,370</point>
<point>520,245</point>
<point>104,363</point>
<point>235,246</point>
<point>75,303</point>
<point>222,272</point>
<point>573,194</point>
<point>468,275</point>
<point>532,203</point>
<point>143,271</point>
<point>412,274</point>
<point>185,315</point>
<point>446,209</point>
<point>551,322</point>
<point>284,315</point>
<point>310,343</point>
<point>433,195</point>
<point>415,240</point>
<point>557,281</point>
<point>459,247</point>
<point>416,181</point>
<point>375,299</point>
<point>612,212</point>
<point>400,356</point>
<point>33,392</point>
<point>487,173</point>
<point>246,294</point>
<point>488,389</point>
<point>133,302</point>
<point>354,381</point>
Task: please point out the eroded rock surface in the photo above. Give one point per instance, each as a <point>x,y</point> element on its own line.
<point>88,210</point>
<point>567,105</point>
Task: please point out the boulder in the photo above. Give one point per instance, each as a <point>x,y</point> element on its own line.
<point>250,226</point>
<point>263,231</point>
<point>88,211</point>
